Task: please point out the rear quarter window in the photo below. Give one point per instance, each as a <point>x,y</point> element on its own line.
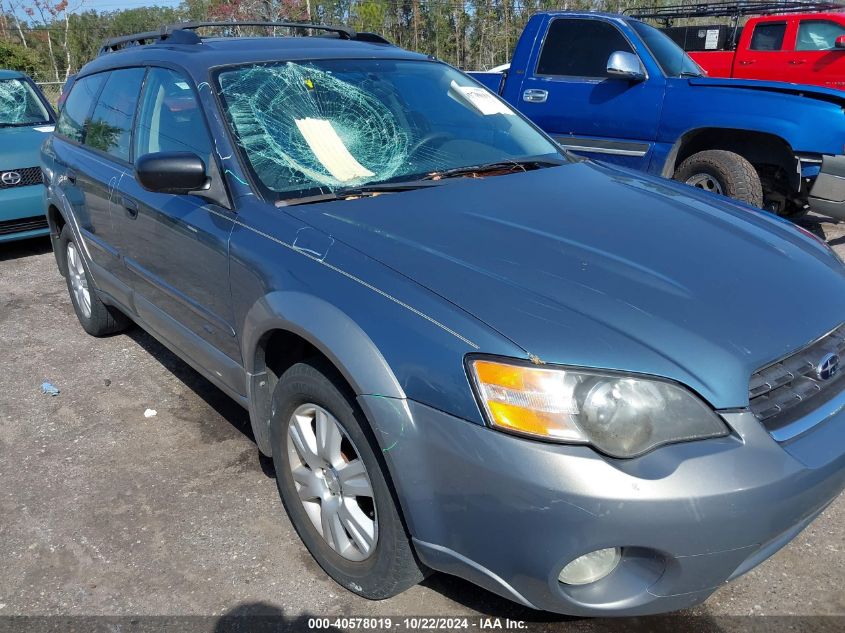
<point>77,109</point>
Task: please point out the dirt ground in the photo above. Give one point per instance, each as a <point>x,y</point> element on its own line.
<point>106,512</point>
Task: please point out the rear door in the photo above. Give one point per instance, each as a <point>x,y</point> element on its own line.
<point>80,170</point>
<point>96,127</point>
<point>816,60</point>
<point>569,94</point>
<point>176,246</point>
<point>767,54</point>
<point>107,142</point>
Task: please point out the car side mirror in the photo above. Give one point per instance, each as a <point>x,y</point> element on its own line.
<point>625,65</point>
<point>840,42</point>
<point>171,172</point>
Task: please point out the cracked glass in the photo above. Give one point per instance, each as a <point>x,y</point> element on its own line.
<point>20,105</point>
<point>310,127</point>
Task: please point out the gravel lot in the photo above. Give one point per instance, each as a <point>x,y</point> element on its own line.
<point>106,512</point>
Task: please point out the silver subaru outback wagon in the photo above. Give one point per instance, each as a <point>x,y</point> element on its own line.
<point>588,390</point>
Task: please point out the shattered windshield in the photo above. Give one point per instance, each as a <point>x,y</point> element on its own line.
<point>325,125</point>
<point>20,105</point>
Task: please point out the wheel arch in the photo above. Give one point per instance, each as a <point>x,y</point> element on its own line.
<point>285,327</point>
<point>759,148</point>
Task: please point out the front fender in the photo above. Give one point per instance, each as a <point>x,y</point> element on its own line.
<point>328,329</point>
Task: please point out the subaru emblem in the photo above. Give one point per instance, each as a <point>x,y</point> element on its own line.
<point>10,178</point>
<point>827,367</point>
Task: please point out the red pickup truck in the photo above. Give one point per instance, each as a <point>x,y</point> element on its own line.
<point>805,48</point>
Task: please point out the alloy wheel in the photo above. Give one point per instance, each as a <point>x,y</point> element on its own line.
<point>332,482</point>
<point>78,280</point>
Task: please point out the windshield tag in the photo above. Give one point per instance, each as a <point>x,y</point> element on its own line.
<point>329,149</point>
<point>480,99</point>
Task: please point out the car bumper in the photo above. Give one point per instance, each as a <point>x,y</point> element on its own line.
<point>508,513</point>
<point>827,196</point>
<point>22,213</point>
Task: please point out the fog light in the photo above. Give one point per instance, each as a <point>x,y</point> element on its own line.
<point>591,567</point>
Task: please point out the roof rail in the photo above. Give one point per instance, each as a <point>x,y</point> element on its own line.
<point>342,31</point>
<point>736,9</point>
<point>184,33</point>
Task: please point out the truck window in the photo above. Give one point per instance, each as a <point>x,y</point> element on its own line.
<point>818,35</point>
<point>674,62</point>
<point>768,36</point>
<point>580,48</point>
<point>74,117</point>
<point>111,124</point>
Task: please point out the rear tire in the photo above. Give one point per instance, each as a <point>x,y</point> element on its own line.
<point>96,317</point>
<point>720,171</point>
<point>367,549</point>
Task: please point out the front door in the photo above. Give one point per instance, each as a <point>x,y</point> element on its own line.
<point>569,94</point>
<point>176,246</point>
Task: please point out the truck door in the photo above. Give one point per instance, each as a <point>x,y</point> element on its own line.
<point>569,94</point>
<point>766,56</point>
<point>816,60</point>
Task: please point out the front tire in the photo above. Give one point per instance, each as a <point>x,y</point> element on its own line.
<point>333,485</point>
<point>96,317</point>
<point>723,172</point>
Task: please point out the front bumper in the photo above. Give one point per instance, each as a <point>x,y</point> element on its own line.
<point>22,213</point>
<point>508,513</point>
<point>827,196</point>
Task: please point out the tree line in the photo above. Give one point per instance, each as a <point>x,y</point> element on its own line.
<point>52,39</point>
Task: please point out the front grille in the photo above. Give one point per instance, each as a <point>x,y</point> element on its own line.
<point>783,391</point>
<point>28,176</point>
<point>23,224</point>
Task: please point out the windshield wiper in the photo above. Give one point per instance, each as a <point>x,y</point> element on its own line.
<point>358,192</point>
<point>519,164</point>
<point>689,73</point>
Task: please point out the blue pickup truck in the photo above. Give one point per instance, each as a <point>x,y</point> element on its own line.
<point>619,90</point>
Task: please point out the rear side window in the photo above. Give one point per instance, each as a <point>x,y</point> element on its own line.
<point>768,36</point>
<point>580,48</point>
<point>818,35</point>
<point>170,119</point>
<point>110,129</point>
<point>74,117</point>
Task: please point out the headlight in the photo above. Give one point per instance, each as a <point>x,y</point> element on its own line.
<point>623,416</point>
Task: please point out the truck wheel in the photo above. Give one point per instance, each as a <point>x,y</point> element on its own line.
<point>333,484</point>
<point>720,171</point>
<point>96,317</point>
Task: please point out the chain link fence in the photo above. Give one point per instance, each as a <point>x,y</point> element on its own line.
<point>51,90</point>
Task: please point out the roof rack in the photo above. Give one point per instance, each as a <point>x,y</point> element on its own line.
<point>184,33</point>
<point>735,10</point>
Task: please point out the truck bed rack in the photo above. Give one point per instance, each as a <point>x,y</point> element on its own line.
<point>735,10</point>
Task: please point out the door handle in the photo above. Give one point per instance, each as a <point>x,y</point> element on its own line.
<point>533,95</point>
<point>796,62</point>
<point>130,206</point>
<point>746,62</point>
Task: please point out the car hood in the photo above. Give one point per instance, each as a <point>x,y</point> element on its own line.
<point>803,90</point>
<point>594,266</point>
<point>21,146</point>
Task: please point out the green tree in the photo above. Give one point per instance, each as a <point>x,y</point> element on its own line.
<point>17,57</point>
